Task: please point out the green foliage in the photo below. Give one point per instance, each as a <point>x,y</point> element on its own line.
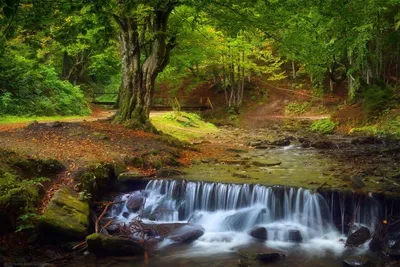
<point>377,99</point>
<point>297,108</point>
<point>324,126</point>
<point>20,195</point>
<point>391,126</point>
<point>28,87</point>
<point>365,130</point>
<point>94,180</point>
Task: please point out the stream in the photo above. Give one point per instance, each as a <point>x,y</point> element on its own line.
<point>307,227</point>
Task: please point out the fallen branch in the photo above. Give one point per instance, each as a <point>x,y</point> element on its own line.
<point>105,226</point>
<point>102,215</point>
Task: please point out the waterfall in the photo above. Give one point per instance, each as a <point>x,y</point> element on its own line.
<point>239,207</point>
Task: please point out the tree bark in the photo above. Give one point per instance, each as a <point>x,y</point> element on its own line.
<point>138,75</point>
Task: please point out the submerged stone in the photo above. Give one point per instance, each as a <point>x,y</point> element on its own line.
<point>101,244</point>
<point>187,234</point>
<point>295,236</point>
<point>261,254</point>
<point>66,217</point>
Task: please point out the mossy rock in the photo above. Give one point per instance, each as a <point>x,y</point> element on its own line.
<point>95,179</point>
<point>66,217</point>
<point>101,244</point>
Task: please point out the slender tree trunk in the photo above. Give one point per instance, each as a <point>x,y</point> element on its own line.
<point>293,70</point>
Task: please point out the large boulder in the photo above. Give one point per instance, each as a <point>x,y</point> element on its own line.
<point>295,236</point>
<point>135,201</point>
<point>66,217</point>
<point>359,237</point>
<point>259,232</point>
<point>187,233</point>
<point>101,244</point>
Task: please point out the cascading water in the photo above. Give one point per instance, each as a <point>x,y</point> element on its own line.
<point>228,211</point>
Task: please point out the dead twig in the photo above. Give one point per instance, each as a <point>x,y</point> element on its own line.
<point>102,215</point>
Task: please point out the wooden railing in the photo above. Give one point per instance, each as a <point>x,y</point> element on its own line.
<point>166,102</point>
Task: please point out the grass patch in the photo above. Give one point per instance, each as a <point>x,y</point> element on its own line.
<point>387,125</point>
<point>183,125</point>
<point>296,108</point>
<point>19,119</point>
<point>324,126</point>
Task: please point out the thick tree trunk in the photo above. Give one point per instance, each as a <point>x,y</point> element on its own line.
<point>137,90</point>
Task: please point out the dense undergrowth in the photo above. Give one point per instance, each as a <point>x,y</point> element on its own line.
<point>21,187</point>
<point>28,87</point>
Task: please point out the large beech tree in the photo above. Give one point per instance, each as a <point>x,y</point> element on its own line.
<point>146,43</point>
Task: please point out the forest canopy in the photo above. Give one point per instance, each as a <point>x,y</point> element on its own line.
<point>55,54</point>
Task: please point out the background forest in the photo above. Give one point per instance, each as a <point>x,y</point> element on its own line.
<point>54,55</point>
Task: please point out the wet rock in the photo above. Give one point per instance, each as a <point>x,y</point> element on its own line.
<point>369,140</point>
<point>281,142</point>
<point>236,150</point>
<point>246,263</point>
<point>259,232</point>
<point>359,261</point>
<point>135,201</point>
<point>187,234</point>
<point>125,215</point>
<point>377,243</point>
<point>358,238</point>
<point>261,254</point>
<point>101,244</point>
<point>394,254</point>
<point>357,183</point>
<point>295,236</point>
<point>394,230</point>
<point>266,163</point>
<point>255,143</point>
<point>323,145</point>
<point>166,173</point>
<point>237,221</point>
<point>395,244</point>
<point>66,217</point>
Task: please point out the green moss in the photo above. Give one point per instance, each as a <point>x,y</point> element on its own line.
<point>183,125</point>
<point>95,178</point>
<point>111,245</point>
<point>296,108</point>
<point>66,216</point>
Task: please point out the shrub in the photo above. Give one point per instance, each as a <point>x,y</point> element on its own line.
<point>28,87</point>
<point>377,99</point>
<point>296,108</point>
<point>323,126</point>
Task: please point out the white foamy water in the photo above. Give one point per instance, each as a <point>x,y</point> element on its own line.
<point>227,212</point>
